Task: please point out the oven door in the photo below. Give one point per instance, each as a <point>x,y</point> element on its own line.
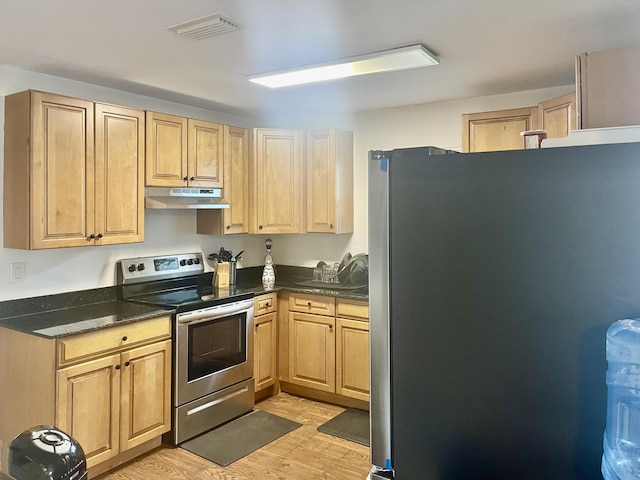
<point>214,349</point>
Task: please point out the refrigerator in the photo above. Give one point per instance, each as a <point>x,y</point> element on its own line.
<point>492,280</point>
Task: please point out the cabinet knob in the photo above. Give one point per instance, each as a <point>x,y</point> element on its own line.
<point>257,326</point>
<point>124,339</point>
<point>184,179</point>
<point>259,227</point>
<point>331,226</point>
<point>228,227</point>
<point>91,237</point>
<point>192,179</point>
<point>117,367</point>
<point>126,364</point>
<point>99,235</point>
<point>330,326</point>
<point>309,304</point>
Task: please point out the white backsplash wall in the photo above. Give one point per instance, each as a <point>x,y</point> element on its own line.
<point>170,231</point>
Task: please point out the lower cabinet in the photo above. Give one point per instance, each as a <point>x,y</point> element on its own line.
<point>117,402</point>
<point>265,341</point>
<point>109,388</point>
<point>312,345</point>
<point>352,349</point>
<point>328,345</point>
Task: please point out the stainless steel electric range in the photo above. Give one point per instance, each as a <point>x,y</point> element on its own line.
<point>212,339</point>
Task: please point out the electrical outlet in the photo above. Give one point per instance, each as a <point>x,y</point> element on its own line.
<point>18,272</point>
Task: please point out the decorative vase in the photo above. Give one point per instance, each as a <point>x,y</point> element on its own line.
<point>269,271</point>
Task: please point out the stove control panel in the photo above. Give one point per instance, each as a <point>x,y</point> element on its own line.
<point>132,270</point>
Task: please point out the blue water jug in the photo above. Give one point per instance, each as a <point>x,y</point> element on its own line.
<point>621,457</point>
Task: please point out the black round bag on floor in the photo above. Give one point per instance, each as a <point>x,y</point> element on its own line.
<point>46,453</point>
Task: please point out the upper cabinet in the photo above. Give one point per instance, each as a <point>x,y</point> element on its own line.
<point>608,88</point>
<point>498,130</point>
<point>329,159</point>
<point>183,152</point>
<point>60,188</point>
<point>558,115</point>
<point>234,219</point>
<point>277,182</point>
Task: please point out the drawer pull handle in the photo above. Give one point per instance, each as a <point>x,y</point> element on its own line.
<point>124,339</point>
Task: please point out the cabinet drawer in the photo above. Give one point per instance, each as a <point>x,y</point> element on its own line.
<point>264,304</point>
<point>318,304</point>
<point>352,309</point>
<point>89,345</point>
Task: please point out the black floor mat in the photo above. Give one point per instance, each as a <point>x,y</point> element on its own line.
<point>352,424</point>
<point>228,443</point>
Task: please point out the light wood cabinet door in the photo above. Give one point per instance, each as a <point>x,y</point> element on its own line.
<point>236,180</point>
<point>88,406</point>
<point>49,171</point>
<point>608,88</point>
<point>352,358</point>
<point>63,171</point>
<point>278,173</point>
<point>146,394</point>
<point>558,115</point>
<point>234,219</point>
<point>205,153</point>
<point>264,352</point>
<point>166,150</point>
<point>312,346</point>
<point>74,172</point>
<point>329,181</point>
<point>498,130</point>
<point>119,175</point>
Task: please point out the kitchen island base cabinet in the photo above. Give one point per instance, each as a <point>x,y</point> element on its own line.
<point>113,399</point>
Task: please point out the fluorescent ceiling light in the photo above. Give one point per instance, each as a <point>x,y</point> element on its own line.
<point>403,58</point>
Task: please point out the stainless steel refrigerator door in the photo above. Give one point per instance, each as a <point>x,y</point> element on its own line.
<point>380,396</point>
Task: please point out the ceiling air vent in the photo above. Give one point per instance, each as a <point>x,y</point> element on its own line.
<point>206,27</point>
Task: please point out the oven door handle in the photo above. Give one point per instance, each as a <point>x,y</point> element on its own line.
<point>214,313</point>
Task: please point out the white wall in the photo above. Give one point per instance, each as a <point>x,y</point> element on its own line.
<point>62,270</point>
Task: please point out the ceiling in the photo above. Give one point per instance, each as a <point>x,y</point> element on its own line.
<point>485,47</point>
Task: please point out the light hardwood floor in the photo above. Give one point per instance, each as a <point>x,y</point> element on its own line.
<point>304,454</point>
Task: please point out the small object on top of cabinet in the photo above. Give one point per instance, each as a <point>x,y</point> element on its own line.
<point>533,138</point>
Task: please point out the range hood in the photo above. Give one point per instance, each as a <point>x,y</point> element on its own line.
<point>199,198</point>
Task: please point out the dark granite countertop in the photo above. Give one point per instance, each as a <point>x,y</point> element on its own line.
<point>81,318</point>
<point>53,316</point>
<point>297,279</point>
